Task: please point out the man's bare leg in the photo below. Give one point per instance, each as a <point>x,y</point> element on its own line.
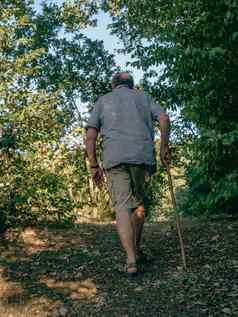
<point>127,236</point>
<point>138,219</point>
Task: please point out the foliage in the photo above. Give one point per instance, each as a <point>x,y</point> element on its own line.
<point>188,50</point>
<point>47,69</point>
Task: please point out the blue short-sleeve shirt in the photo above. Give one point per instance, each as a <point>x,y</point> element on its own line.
<point>124,119</point>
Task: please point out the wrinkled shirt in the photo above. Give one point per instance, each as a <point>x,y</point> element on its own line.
<point>124,118</point>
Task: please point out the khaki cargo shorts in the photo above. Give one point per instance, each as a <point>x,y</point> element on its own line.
<point>126,184</point>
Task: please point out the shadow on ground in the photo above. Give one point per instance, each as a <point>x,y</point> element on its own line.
<point>73,272</point>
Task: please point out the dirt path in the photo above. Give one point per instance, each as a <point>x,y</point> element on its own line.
<point>72,272</point>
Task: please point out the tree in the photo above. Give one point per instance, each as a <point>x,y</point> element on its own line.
<point>195,46</point>
<point>47,68</point>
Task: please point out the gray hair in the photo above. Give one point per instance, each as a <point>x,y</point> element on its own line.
<point>123,78</point>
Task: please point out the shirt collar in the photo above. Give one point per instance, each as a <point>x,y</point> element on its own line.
<point>120,86</point>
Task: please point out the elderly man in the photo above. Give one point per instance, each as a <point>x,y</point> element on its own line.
<point>124,118</point>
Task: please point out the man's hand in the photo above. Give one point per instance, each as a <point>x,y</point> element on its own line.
<point>97,176</point>
<point>165,155</point>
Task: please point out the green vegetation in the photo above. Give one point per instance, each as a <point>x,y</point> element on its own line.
<point>188,52</point>
<point>195,42</point>
<point>47,67</point>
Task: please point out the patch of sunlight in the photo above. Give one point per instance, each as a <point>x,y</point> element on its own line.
<point>76,289</point>
<point>32,241</point>
<point>10,292</point>
<point>37,307</point>
<point>35,240</point>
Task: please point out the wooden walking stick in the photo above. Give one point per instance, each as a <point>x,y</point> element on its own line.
<point>177,217</point>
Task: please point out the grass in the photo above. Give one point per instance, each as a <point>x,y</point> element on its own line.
<point>73,272</point>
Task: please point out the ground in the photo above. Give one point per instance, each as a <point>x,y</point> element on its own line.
<point>73,272</point>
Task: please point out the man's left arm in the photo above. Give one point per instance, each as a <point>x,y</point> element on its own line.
<point>93,127</point>
<point>90,142</point>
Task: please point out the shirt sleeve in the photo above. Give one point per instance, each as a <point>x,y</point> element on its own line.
<point>94,120</point>
<point>156,110</point>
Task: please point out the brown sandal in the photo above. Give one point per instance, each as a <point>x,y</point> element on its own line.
<point>129,266</point>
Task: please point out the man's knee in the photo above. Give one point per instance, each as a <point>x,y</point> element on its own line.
<point>140,211</point>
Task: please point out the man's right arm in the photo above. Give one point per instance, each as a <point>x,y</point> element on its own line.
<point>165,154</point>
<point>158,114</point>
<point>164,122</point>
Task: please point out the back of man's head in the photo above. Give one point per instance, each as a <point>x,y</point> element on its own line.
<point>122,78</point>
